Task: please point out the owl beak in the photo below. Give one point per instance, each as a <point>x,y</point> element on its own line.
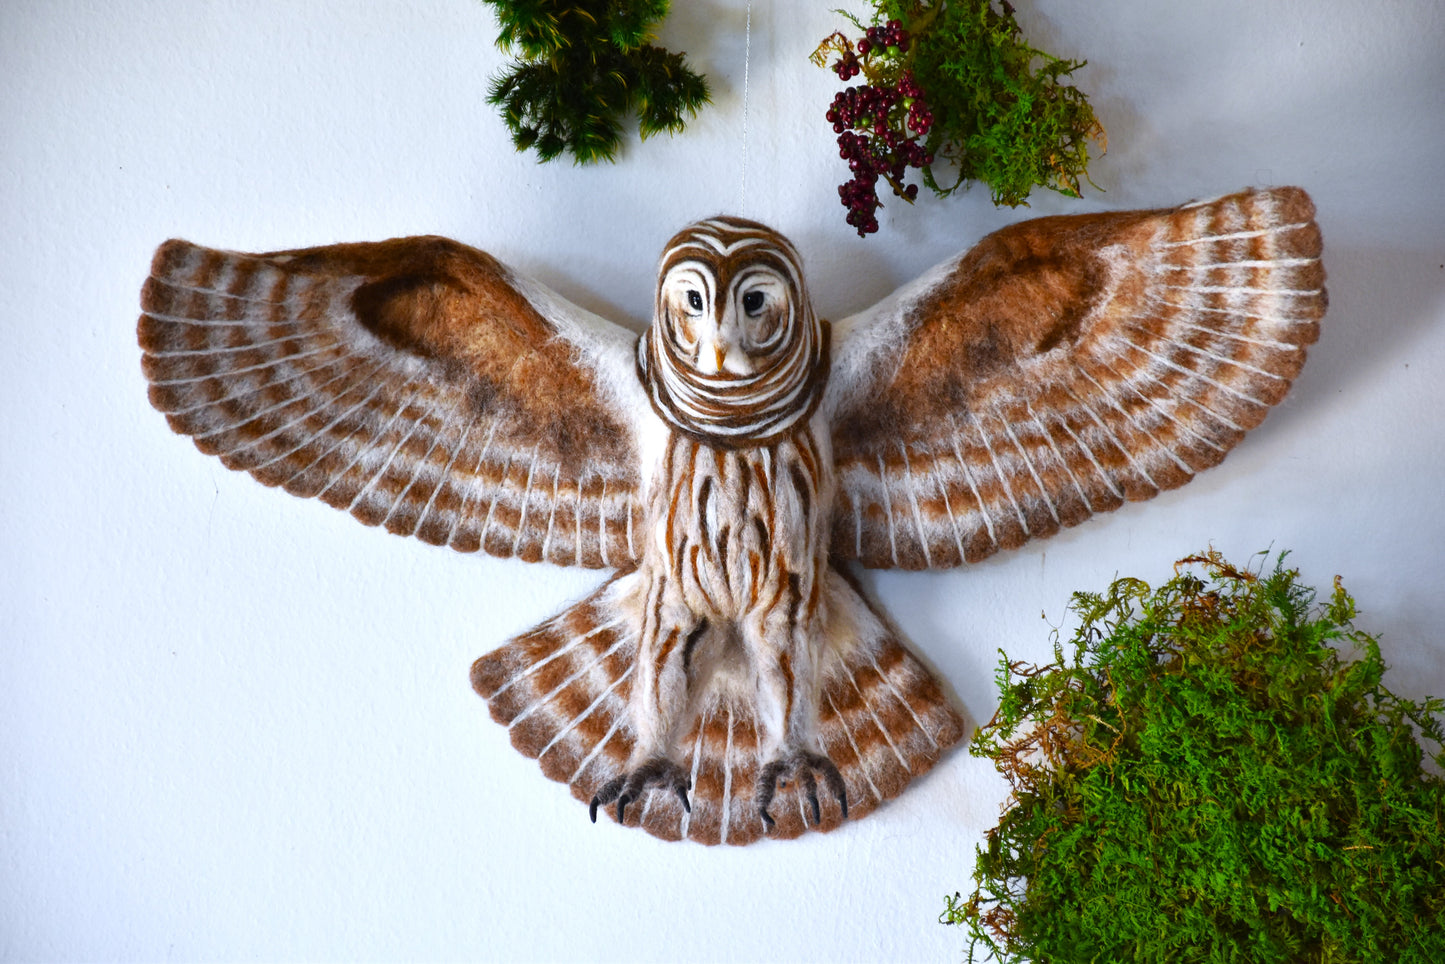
<point>717,357</point>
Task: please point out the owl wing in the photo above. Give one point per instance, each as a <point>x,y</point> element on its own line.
<point>1063,367</point>
<point>417,383</point>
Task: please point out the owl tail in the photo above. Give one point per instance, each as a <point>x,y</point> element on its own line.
<point>562,691</point>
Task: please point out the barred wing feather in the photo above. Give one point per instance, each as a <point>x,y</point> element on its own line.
<point>1063,367</point>
<point>417,383</point>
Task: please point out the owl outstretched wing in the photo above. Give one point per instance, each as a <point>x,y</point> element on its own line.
<point>417,383</point>
<point>1063,367</point>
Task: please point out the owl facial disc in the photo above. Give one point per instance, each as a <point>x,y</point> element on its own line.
<point>735,355</point>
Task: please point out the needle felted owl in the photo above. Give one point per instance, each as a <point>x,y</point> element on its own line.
<point>730,682</point>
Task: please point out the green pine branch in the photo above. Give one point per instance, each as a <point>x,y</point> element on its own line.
<point>582,70</point>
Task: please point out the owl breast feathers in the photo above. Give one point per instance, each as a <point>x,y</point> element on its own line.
<point>729,681</point>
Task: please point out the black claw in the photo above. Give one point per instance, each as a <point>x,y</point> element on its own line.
<point>605,795</point>
<point>811,786</point>
<point>767,786</point>
<point>839,788</point>
<point>632,786</point>
<point>805,768</point>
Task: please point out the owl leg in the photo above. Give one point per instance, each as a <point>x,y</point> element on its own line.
<point>669,636</point>
<point>782,642</point>
<point>629,786</point>
<point>806,768</point>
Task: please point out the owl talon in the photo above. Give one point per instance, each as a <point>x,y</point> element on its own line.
<point>810,787</point>
<point>629,787</point>
<point>805,767</point>
<point>609,792</point>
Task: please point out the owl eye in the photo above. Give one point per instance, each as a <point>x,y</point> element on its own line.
<point>694,301</point>
<point>753,302</point>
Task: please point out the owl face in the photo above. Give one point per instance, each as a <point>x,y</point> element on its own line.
<point>725,326</point>
<point>735,354</point>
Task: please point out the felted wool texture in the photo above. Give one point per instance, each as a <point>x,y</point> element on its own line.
<point>726,464</point>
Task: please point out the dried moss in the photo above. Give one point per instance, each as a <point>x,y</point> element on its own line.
<point>1209,779</point>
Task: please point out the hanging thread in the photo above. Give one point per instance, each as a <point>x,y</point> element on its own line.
<point>747,63</point>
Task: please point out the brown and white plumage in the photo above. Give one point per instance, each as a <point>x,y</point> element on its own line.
<point>359,374</point>
<point>1063,367</point>
<point>564,692</point>
<point>730,682</point>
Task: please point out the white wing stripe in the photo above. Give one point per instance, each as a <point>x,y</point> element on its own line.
<point>475,485</point>
<point>913,500</point>
<point>968,477</point>
<point>1093,460</point>
<point>573,723</point>
<point>316,401</point>
<point>273,384</point>
<point>230,373</point>
<point>999,472</point>
<point>1194,373</point>
<point>1274,320</point>
<point>727,794</point>
<point>1029,464</point>
<point>592,753</point>
<point>1274,263</point>
<point>1154,403</point>
<point>335,443</point>
<point>1048,437</point>
<point>1118,443</point>
<point>862,764</point>
<point>952,521</point>
<point>567,682</point>
<point>446,475</point>
<point>416,423</point>
<point>362,450</point>
<point>873,659</point>
<point>1114,403</point>
<point>418,468</point>
<point>887,737</point>
<point>525,500</point>
<point>1243,289</point>
<point>300,336</point>
<point>696,764</point>
<point>887,508</point>
<point>1234,236</point>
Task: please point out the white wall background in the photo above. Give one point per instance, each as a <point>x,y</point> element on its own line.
<point>237,725</point>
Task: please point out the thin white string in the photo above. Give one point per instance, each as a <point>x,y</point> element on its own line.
<point>747,62</point>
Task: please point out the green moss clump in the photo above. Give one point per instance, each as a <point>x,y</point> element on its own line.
<point>953,88</point>
<point>1209,780</point>
<point>584,67</point>
<point>1006,117</point>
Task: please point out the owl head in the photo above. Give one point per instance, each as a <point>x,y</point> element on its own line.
<point>735,355</point>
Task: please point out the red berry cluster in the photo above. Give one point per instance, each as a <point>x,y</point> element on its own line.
<point>879,125</point>
<point>891,34</point>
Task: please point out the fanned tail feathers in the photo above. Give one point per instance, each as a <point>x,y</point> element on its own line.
<point>562,691</point>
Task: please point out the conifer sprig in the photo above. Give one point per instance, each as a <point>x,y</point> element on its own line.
<point>582,69</point>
